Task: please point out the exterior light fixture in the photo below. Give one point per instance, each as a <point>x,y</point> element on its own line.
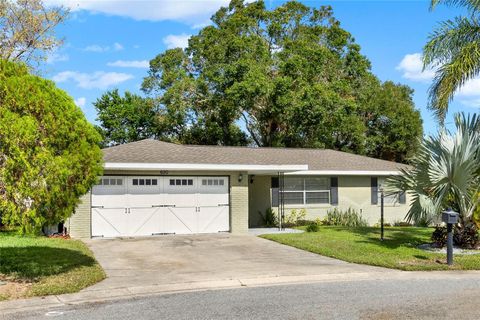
<point>240,177</point>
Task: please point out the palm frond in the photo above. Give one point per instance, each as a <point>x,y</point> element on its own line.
<point>473,5</point>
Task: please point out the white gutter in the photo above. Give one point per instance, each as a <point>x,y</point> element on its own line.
<point>344,173</point>
<point>205,167</point>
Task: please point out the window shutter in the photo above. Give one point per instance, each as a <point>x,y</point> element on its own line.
<point>374,190</point>
<point>334,191</point>
<point>274,188</point>
<point>402,198</point>
<point>275,182</point>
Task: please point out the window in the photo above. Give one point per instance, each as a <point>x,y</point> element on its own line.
<point>110,182</point>
<point>213,182</point>
<point>145,182</point>
<point>306,190</point>
<point>388,197</point>
<point>181,182</point>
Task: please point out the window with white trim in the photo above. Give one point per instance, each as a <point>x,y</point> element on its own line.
<point>306,190</point>
<point>213,182</point>
<point>110,182</point>
<point>388,198</point>
<point>144,182</point>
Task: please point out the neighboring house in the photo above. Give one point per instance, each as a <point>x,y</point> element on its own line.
<point>151,187</point>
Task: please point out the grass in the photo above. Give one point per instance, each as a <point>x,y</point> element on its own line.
<point>46,266</point>
<point>362,245</point>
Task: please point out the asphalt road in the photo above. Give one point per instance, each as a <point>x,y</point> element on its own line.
<point>380,299</point>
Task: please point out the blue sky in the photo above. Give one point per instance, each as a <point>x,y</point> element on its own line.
<point>108,44</point>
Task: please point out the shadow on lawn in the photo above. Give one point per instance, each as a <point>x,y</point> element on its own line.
<point>33,262</point>
<point>393,238</point>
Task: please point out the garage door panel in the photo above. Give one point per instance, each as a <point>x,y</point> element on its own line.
<point>213,219</point>
<point>109,222</point>
<point>180,220</point>
<point>144,221</point>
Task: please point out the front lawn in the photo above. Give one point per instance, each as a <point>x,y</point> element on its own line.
<point>37,266</point>
<point>363,245</point>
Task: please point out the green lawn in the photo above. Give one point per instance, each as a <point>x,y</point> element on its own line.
<point>363,245</point>
<point>44,266</point>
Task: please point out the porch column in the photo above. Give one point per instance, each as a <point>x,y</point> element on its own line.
<point>239,202</point>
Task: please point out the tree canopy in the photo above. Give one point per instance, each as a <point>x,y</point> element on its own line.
<point>289,77</point>
<point>27,30</point>
<point>48,151</point>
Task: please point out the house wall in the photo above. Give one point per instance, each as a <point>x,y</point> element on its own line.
<point>79,225</point>
<point>353,192</point>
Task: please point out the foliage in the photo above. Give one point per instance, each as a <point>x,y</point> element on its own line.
<point>452,49</point>
<point>463,237</point>
<point>398,223</point>
<point>444,173</point>
<point>27,30</point>
<point>125,119</point>
<point>399,250</point>
<point>292,75</point>
<point>52,266</point>
<point>294,216</point>
<point>312,227</point>
<point>48,150</point>
<point>269,219</point>
<point>347,218</point>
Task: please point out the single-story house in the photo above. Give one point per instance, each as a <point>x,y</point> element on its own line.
<point>151,187</point>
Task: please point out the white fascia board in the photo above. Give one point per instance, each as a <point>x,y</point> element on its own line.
<point>343,173</point>
<point>203,167</point>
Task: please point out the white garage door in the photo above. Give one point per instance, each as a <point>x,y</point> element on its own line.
<point>144,206</point>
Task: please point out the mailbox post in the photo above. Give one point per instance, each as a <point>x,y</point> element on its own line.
<point>450,217</point>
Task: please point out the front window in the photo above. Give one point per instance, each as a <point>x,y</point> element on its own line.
<point>306,190</point>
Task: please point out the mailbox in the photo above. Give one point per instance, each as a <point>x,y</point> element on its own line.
<point>450,217</point>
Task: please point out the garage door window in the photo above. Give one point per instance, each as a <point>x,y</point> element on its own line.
<point>110,182</point>
<point>213,182</point>
<point>144,182</point>
<point>181,182</point>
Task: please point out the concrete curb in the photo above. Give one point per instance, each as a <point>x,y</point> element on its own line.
<point>105,295</point>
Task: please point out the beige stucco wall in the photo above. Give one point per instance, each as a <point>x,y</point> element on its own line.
<point>80,223</point>
<point>353,192</point>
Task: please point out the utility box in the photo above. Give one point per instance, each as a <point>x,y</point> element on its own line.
<point>450,217</point>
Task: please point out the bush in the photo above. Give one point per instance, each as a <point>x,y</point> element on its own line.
<point>312,227</point>
<point>269,219</point>
<point>348,218</point>
<point>463,236</point>
<point>293,217</point>
<point>402,224</point>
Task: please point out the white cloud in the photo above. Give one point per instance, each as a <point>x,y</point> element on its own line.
<point>470,88</point>
<point>96,80</point>
<point>176,41</point>
<point>80,102</point>
<point>56,57</point>
<point>117,46</point>
<point>98,48</point>
<point>141,64</point>
<point>191,11</point>
<point>412,68</point>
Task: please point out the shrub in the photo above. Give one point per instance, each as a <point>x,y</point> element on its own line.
<point>398,223</point>
<point>348,218</point>
<point>269,219</point>
<point>312,227</point>
<point>463,237</point>
<point>294,216</point>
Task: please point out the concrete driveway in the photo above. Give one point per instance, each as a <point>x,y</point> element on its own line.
<point>181,261</point>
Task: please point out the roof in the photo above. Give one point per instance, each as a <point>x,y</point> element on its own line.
<point>151,151</point>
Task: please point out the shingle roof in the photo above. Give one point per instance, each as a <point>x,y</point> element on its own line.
<point>154,151</point>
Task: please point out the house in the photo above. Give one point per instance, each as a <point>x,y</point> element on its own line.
<point>151,187</point>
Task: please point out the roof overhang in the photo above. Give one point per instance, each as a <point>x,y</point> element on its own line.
<point>250,168</point>
<point>344,173</point>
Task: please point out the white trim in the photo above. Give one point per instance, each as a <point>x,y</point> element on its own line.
<point>343,173</point>
<point>206,167</point>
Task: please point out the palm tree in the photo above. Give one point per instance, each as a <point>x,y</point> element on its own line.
<point>453,49</point>
<point>444,172</point>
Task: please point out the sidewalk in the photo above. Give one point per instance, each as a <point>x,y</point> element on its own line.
<point>97,296</point>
